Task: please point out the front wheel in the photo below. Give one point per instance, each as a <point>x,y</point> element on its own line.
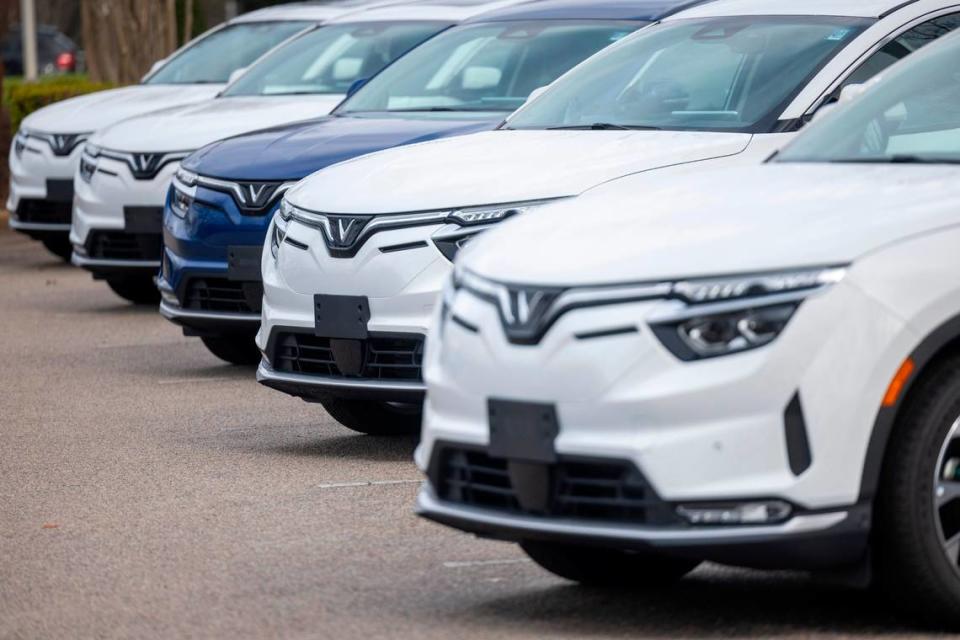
<point>375,418</point>
<point>239,349</point>
<point>602,567</point>
<point>917,523</point>
<point>135,289</point>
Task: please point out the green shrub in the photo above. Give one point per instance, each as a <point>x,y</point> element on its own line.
<point>20,99</point>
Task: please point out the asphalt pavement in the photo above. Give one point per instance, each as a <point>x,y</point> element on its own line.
<point>148,490</point>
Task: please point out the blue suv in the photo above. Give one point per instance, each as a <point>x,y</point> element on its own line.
<point>464,80</point>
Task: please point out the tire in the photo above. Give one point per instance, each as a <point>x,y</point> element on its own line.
<point>375,418</point>
<point>601,567</point>
<point>138,290</point>
<point>911,564</point>
<point>59,246</point>
<point>239,349</point>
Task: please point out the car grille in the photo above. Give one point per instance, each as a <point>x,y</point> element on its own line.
<point>583,489</point>
<point>44,211</point>
<point>117,245</point>
<point>223,296</point>
<point>384,358</point>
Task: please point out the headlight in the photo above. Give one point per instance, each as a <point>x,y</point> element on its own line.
<point>474,220</point>
<point>279,232</point>
<point>731,315</point>
<point>180,202</point>
<point>749,286</point>
<point>88,167</point>
<point>20,142</point>
<point>187,178</point>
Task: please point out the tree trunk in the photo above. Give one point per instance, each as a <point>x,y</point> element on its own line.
<point>123,38</point>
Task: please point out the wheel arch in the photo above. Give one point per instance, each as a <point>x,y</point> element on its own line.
<point>932,349</point>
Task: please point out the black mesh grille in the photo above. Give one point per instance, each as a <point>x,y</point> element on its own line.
<point>117,245</point>
<point>605,490</point>
<point>44,211</point>
<point>223,296</point>
<point>384,358</point>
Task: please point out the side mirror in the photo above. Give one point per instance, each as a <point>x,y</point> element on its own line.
<point>847,94</point>
<point>536,93</point>
<point>356,86</point>
<point>235,74</point>
<point>154,67</point>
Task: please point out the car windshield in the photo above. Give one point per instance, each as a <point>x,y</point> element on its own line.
<point>716,74</point>
<point>485,67</point>
<point>330,59</point>
<point>913,115</point>
<point>213,58</point>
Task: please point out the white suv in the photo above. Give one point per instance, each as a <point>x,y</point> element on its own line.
<point>759,366</point>
<point>372,239</point>
<point>126,169</point>
<point>46,152</point>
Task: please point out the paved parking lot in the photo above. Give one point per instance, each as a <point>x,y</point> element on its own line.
<point>147,490</point>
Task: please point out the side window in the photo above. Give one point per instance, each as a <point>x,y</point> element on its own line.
<point>903,45</point>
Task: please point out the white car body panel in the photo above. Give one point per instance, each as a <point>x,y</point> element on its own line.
<point>510,166</point>
<point>710,429</point>
<point>90,113</point>
<point>100,204</point>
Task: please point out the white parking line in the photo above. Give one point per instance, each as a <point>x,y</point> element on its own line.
<point>368,483</point>
<point>483,563</point>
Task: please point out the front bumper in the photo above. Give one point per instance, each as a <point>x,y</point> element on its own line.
<point>823,540</point>
<point>117,219</point>
<point>400,283</point>
<point>313,388</point>
<point>41,189</point>
<point>713,431</point>
<point>210,278</point>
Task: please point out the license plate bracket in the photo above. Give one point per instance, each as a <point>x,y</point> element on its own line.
<point>143,219</point>
<point>524,431</point>
<point>343,317</point>
<point>243,263</point>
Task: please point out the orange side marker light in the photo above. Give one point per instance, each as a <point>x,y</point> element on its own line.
<point>898,383</point>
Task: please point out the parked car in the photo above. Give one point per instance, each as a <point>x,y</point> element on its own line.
<point>56,52</point>
<point>126,169</point>
<point>465,80</point>
<point>45,153</point>
<point>755,365</point>
<point>368,243</point>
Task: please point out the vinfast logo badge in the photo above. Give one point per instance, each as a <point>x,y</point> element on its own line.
<point>344,231</point>
<point>254,195</point>
<point>523,309</point>
<point>62,143</point>
<point>145,164</point>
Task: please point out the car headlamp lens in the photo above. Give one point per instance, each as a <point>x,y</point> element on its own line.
<point>718,335</point>
<point>20,142</point>
<point>719,289</point>
<point>187,178</point>
<point>180,202</point>
<point>278,233</point>
<point>730,315</point>
<point>88,167</point>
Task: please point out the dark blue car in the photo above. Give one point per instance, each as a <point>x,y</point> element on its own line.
<point>465,80</point>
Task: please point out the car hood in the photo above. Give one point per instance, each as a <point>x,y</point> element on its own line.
<point>735,220</point>
<point>95,111</point>
<point>293,151</point>
<point>192,126</point>
<point>501,166</point>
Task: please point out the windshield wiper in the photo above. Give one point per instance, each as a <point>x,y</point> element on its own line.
<point>901,158</point>
<point>603,126</point>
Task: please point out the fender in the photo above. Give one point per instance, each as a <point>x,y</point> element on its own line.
<point>928,349</point>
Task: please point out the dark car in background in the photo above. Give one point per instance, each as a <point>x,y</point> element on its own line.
<point>56,53</point>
